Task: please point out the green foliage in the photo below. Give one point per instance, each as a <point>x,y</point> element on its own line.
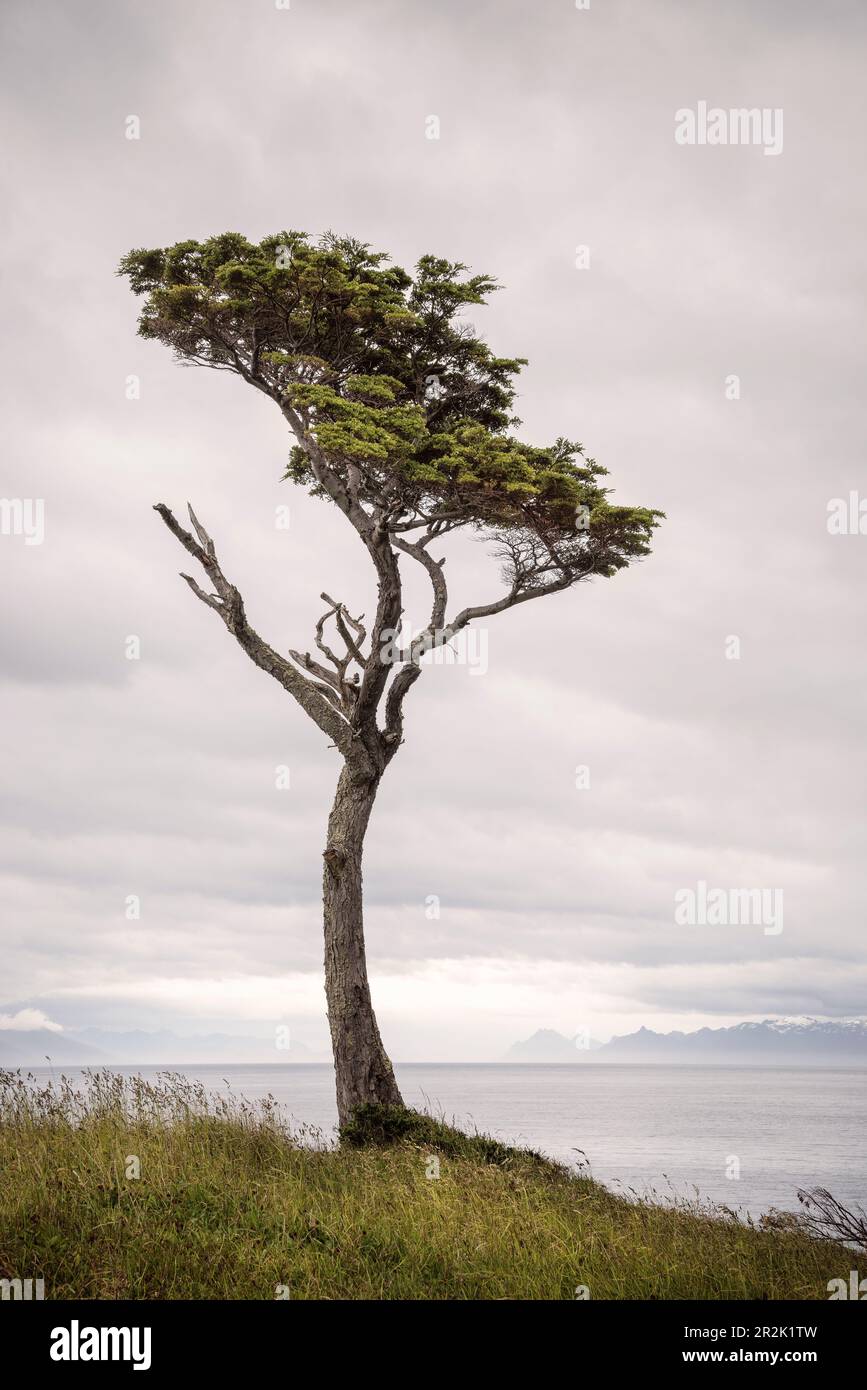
<point>229,1205</point>
<point>380,372</point>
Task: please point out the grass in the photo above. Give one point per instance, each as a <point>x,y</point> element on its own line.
<point>229,1204</point>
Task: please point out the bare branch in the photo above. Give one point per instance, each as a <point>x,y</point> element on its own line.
<point>435,573</point>
<point>374,534</point>
<point>516,596</point>
<point>338,689</point>
<point>316,669</point>
<point>425,519</point>
<point>824,1216</point>
<point>209,599</point>
<point>228,602</point>
<point>409,674</point>
<point>439,632</point>
<point>326,650</point>
<point>344,620</point>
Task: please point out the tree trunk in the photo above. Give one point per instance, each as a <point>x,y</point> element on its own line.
<point>363,1071</point>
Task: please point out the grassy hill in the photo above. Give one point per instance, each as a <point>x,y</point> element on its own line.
<point>227,1204</point>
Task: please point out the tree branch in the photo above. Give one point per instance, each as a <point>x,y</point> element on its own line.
<point>374,535</point>
<point>339,690</point>
<point>228,602</point>
<point>443,632</point>
<point>435,573</point>
<point>512,599</point>
<point>409,674</point>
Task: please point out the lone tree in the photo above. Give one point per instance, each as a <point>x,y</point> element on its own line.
<point>402,419</point>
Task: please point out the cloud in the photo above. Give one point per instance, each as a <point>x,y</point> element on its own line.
<point>26,1019</point>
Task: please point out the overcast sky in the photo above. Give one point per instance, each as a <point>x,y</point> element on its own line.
<point>156,777</point>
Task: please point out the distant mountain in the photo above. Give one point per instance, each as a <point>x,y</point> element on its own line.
<point>30,1048</point>
<point>775,1041</point>
<point>100,1047</point>
<point>547,1046</point>
<point>810,1042</point>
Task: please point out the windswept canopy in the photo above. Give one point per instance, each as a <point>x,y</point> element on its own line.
<point>385,382</point>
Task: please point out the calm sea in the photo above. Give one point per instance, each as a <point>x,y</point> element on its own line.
<point>667,1130</point>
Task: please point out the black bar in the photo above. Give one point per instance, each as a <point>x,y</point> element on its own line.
<point>248,1337</point>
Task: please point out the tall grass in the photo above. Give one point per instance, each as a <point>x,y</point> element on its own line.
<point>230,1203</point>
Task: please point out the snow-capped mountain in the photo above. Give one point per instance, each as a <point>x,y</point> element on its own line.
<point>776,1041</point>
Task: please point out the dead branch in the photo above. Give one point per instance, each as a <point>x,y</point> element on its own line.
<point>825,1217</point>
<point>314,699</point>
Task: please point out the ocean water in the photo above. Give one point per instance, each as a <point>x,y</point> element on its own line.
<point>666,1131</point>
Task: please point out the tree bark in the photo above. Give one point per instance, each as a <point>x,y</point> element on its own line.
<point>363,1072</point>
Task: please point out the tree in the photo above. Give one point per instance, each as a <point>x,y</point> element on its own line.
<point>402,419</point>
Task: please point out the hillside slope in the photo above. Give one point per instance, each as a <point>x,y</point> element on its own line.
<point>156,1192</point>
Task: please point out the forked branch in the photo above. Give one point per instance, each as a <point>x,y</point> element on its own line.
<point>339,687</point>
<point>315,700</point>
